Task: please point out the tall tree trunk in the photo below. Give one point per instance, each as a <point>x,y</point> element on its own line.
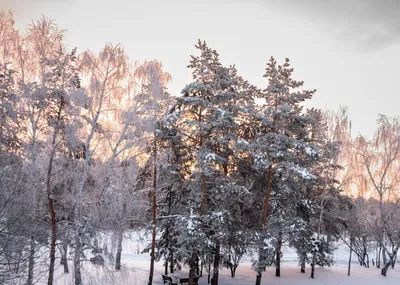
<point>53,242</point>
<point>64,256</point>
<point>261,259</point>
<point>278,255</point>
<point>267,197</point>
<point>314,258</point>
<point>119,251</point>
<point>302,262</point>
<point>50,199</point>
<point>193,261</point>
<point>384,259</point>
<point>194,258</point>
<point>197,265</point>
<point>217,258</point>
<point>313,268</point>
<point>167,246</point>
<point>77,257</point>
<point>351,251</point>
<point>303,266</point>
<point>154,209</point>
<point>34,197</point>
<point>152,255</point>
<point>166,266</point>
<point>258,278</point>
<point>78,234</point>
<point>385,268</point>
<point>365,252</point>
<point>203,194</point>
<point>203,205</point>
<point>232,264</point>
<point>31,263</point>
<point>201,266</point>
<point>52,212</point>
<point>329,237</point>
<point>171,262</point>
<point>378,260</point>
<point>383,232</point>
<point>120,236</point>
<point>209,270</point>
<point>167,235</point>
<point>394,260</point>
<point>265,218</point>
<point>233,268</point>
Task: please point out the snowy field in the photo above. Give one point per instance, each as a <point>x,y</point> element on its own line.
<point>136,268</point>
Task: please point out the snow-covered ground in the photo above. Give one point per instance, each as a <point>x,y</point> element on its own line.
<point>136,268</point>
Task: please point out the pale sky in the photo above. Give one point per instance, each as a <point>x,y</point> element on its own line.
<point>349,50</point>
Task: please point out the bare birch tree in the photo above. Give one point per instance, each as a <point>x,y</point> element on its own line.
<point>380,157</point>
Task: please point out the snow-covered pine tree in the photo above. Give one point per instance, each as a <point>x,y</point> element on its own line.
<point>282,151</point>
<point>206,122</point>
<point>171,197</point>
<point>173,202</point>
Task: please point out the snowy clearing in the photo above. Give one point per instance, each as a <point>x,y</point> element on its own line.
<point>136,269</point>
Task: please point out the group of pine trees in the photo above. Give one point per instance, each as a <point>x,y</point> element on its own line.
<point>246,169</point>
<point>92,144</point>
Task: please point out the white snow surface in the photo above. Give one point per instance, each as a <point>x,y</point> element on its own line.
<point>136,269</point>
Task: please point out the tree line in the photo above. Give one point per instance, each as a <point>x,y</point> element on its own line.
<point>92,143</point>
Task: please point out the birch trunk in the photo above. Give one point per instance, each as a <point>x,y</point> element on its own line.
<point>119,251</point>
<point>31,261</point>
<point>77,259</point>
<point>64,256</point>
<point>50,201</point>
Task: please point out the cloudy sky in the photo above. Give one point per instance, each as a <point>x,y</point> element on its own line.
<point>349,50</point>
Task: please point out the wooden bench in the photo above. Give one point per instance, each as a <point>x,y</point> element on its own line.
<point>186,281</point>
<point>168,280</point>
